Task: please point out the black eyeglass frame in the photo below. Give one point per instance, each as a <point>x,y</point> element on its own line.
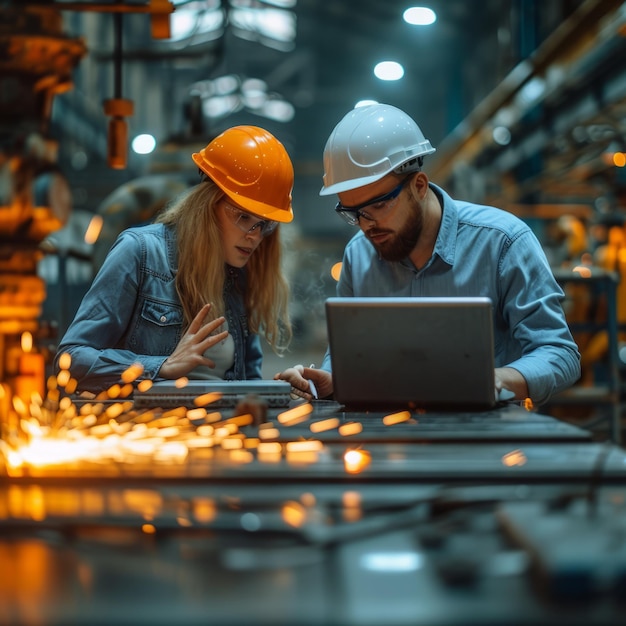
<point>352,214</point>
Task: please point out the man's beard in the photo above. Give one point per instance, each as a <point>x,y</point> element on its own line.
<point>400,245</point>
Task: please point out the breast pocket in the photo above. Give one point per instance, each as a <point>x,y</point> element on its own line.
<point>158,328</point>
<point>162,314</point>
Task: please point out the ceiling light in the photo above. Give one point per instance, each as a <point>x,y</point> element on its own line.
<point>223,85</point>
<point>143,144</point>
<point>272,27</point>
<point>502,135</point>
<point>281,4</point>
<point>254,93</point>
<point>278,110</point>
<point>389,70</point>
<point>419,16</point>
<point>196,18</point>
<point>221,106</point>
<point>228,94</point>
<point>532,91</point>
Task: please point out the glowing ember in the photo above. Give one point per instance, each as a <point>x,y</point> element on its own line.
<point>351,428</point>
<point>304,446</point>
<point>321,426</point>
<point>296,415</point>
<point>355,461</point>
<point>293,513</point>
<point>515,457</point>
<point>396,418</point>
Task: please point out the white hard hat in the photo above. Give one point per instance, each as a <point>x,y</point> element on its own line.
<point>367,144</point>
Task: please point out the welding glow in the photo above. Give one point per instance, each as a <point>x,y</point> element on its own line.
<point>355,461</point>
<point>335,270</point>
<point>93,229</point>
<point>513,458</point>
<point>304,446</point>
<point>327,424</point>
<point>351,428</point>
<point>295,415</point>
<point>207,398</point>
<point>144,385</point>
<point>65,360</point>
<point>270,447</point>
<point>619,159</point>
<point>396,418</point>
<point>63,378</point>
<point>293,514</point>
<point>241,456</point>
<point>351,499</point>
<point>232,443</point>
<point>27,341</point>
<point>204,509</point>
<point>133,372</point>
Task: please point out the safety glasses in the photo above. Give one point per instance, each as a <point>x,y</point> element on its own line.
<point>248,223</point>
<point>374,209</point>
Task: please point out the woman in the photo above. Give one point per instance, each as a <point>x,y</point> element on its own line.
<point>190,294</point>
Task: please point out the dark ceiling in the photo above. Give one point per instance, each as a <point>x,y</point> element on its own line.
<point>463,75</point>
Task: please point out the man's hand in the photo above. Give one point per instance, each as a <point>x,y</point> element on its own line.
<point>189,353</point>
<point>509,378</point>
<point>299,378</point>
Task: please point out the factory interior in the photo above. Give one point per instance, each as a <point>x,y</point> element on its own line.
<point>114,513</point>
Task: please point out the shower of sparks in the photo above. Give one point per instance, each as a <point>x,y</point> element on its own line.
<point>39,432</point>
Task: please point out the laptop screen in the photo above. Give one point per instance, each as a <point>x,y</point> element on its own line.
<point>431,353</point>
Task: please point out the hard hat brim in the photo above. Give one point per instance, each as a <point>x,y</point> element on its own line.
<point>262,210</point>
<point>347,185</point>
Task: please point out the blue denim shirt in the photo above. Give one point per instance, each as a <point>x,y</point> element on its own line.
<point>482,251</point>
<point>132,313</point>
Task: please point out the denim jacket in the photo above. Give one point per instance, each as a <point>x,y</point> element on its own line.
<point>132,314</point>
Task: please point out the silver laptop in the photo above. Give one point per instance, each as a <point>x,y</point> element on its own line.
<point>165,394</point>
<point>431,353</point>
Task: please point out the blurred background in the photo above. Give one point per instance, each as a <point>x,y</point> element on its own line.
<point>102,104</point>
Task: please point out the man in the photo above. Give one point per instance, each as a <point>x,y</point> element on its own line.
<point>416,241</point>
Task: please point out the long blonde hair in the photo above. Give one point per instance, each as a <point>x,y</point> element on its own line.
<point>201,272</point>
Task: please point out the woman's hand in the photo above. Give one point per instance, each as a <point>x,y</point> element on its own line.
<point>299,378</point>
<point>189,353</point>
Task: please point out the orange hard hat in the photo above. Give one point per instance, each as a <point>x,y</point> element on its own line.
<point>253,169</point>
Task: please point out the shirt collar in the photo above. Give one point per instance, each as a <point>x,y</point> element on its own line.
<point>445,245</point>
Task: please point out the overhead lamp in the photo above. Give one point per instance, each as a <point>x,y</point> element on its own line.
<point>274,28</point>
<point>532,91</point>
<point>501,135</point>
<point>419,16</point>
<point>143,144</point>
<point>229,94</point>
<point>389,70</point>
<point>204,20</point>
